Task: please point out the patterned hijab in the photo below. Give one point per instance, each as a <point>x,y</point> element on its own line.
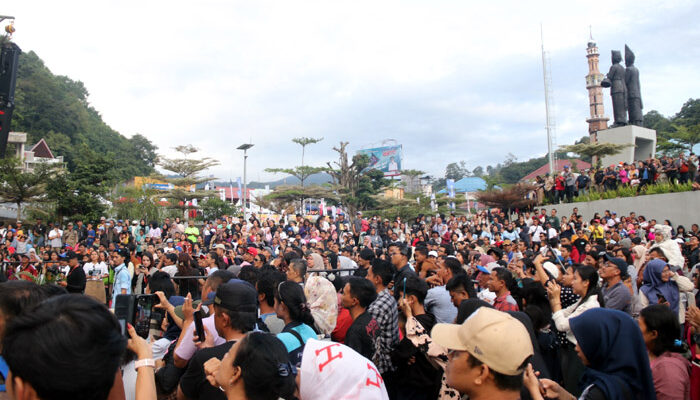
<point>323,302</point>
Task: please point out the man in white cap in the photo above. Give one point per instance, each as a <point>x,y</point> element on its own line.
<point>488,354</point>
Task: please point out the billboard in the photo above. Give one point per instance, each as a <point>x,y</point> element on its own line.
<point>386,159</point>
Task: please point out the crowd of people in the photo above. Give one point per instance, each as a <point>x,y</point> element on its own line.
<point>486,306</point>
<point>564,186</point>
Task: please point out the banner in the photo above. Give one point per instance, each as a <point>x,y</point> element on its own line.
<point>386,159</point>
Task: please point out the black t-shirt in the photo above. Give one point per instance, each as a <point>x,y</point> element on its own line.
<point>361,272</point>
<point>194,382</point>
<point>361,335</point>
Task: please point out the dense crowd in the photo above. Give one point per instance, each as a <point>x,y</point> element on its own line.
<point>564,186</point>
<point>488,306</point>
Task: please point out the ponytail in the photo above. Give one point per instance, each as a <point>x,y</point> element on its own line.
<point>292,295</point>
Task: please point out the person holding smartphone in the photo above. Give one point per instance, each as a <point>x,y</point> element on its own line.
<point>235,308</point>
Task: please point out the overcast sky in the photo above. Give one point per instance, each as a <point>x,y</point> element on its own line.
<point>449,80</point>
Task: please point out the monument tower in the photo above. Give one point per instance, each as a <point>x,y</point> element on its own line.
<point>598,121</point>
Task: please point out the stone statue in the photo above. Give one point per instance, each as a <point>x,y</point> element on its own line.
<point>634,93</point>
<point>615,80</point>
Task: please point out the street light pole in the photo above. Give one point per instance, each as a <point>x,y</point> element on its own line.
<point>244,195</point>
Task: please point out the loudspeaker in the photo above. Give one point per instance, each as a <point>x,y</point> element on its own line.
<point>9,59</point>
<point>5,117</point>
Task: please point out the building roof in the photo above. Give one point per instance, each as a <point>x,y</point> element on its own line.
<point>41,149</point>
<point>469,184</point>
<point>229,191</point>
<point>558,167</point>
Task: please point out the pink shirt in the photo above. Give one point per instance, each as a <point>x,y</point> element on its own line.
<point>623,176</point>
<point>671,373</point>
<point>186,349</point>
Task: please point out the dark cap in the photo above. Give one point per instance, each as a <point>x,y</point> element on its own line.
<point>235,296</point>
<point>618,262</point>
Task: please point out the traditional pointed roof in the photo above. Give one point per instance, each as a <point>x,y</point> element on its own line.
<point>558,167</point>
<point>41,149</point>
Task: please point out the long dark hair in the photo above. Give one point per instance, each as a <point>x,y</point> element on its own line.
<point>660,318</point>
<point>292,295</point>
<point>184,264</point>
<point>265,367</point>
<point>588,273</point>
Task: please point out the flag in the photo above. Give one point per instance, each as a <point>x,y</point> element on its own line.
<point>451,188</point>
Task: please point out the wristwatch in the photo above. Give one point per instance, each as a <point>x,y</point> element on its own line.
<point>145,362</point>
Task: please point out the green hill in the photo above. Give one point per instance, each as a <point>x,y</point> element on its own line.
<point>56,108</point>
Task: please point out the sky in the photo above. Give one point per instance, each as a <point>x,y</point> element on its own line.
<point>448,80</point>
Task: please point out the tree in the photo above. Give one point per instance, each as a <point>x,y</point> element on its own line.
<point>80,194</point>
<point>303,142</point>
<point>144,151</point>
<point>478,171</point>
<point>598,150</point>
<point>187,176</point>
<point>213,207</point>
<point>355,185</point>
<point>301,173</point>
<point>519,196</point>
<point>456,170</point>
<point>686,136</point>
<point>288,197</point>
<point>57,108</point>
<point>19,186</point>
<point>411,175</point>
<point>689,113</point>
<point>656,121</point>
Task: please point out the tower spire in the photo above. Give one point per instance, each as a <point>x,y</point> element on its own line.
<point>597,121</point>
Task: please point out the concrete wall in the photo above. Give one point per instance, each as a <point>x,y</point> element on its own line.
<point>680,208</point>
<point>643,139</point>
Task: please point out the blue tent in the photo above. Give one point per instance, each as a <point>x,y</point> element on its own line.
<point>468,185</point>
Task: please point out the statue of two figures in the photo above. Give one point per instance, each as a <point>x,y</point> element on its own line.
<point>624,89</point>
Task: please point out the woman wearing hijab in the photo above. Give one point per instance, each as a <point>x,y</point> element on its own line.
<point>323,302</point>
<point>661,285</point>
<point>663,238</point>
<point>331,371</point>
<point>611,347</point>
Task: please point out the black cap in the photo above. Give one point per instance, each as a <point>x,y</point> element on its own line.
<point>618,262</point>
<point>71,255</point>
<point>235,295</point>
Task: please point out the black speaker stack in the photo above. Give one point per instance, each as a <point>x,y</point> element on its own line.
<point>9,58</point>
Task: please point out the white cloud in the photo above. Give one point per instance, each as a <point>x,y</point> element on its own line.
<point>450,80</point>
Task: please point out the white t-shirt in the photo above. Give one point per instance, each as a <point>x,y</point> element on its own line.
<point>170,269</point>
<point>100,267</point>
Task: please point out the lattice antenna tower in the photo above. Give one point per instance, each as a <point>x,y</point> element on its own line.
<point>550,124</point>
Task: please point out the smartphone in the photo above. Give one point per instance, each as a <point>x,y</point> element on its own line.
<point>136,310</point>
<point>124,306</point>
<point>143,313</point>
<point>199,326</point>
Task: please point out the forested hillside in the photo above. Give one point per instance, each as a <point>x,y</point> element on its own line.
<point>56,108</point>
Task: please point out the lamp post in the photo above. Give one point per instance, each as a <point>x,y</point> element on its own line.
<point>244,195</point>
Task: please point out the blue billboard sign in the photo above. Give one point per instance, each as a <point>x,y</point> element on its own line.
<point>386,159</point>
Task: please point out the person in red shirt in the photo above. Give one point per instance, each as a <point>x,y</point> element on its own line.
<point>500,280</point>
<point>25,266</point>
